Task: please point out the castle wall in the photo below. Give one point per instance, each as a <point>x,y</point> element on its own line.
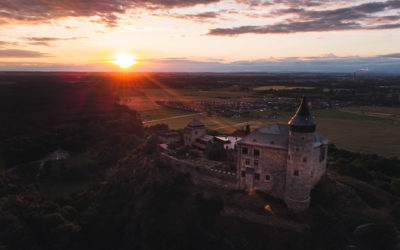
<point>201,174</point>
<point>319,164</point>
<point>168,139</point>
<point>268,175</point>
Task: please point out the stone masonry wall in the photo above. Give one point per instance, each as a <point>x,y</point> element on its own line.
<point>299,165</point>
<point>203,174</point>
<point>271,169</point>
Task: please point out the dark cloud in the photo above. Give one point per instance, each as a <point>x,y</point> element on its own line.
<point>199,17</point>
<point>18,53</point>
<point>396,55</point>
<point>46,41</point>
<point>6,43</point>
<point>106,10</point>
<point>348,18</point>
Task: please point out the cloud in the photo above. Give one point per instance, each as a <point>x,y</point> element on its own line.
<point>367,16</point>
<point>46,41</point>
<point>106,10</point>
<point>18,53</point>
<point>6,43</point>
<point>201,17</point>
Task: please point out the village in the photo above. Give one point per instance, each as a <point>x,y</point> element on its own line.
<point>269,104</point>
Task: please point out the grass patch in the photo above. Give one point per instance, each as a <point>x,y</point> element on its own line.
<point>279,87</point>
<point>340,114</point>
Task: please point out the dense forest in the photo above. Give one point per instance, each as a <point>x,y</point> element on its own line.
<point>132,200</point>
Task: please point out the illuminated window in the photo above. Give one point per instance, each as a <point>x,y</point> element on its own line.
<point>267,177</point>
<point>247,161</point>
<point>245,151</point>
<point>296,172</point>
<point>256,152</point>
<point>257,176</point>
<point>255,162</point>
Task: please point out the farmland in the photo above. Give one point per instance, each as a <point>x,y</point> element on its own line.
<point>358,133</point>
<point>358,129</point>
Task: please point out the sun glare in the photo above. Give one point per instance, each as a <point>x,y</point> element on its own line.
<point>124,61</point>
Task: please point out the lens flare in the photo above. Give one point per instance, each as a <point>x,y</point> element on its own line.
<point>124,61</point>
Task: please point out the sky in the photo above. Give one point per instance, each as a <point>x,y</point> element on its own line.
<point>201,35</point>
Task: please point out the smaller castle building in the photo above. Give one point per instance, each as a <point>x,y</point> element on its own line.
<point>193,131</point>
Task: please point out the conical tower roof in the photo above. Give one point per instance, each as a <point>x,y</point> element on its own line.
<point>302,121</point>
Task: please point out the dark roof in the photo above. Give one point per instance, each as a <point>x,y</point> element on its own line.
<point>276,136</point>
<point>302,121</point>
<point>195,123</point>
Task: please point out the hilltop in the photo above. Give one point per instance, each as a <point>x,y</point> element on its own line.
<point>144,199</point>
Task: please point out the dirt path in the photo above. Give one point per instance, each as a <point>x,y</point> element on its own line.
<point>171,118</point>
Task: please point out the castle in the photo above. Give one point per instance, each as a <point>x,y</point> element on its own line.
<point>283,160</point>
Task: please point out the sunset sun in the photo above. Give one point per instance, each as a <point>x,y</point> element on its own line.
<point>124,61</point>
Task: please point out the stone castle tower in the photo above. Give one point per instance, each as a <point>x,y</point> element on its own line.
<point>300,167</point>
<point>195,129</point>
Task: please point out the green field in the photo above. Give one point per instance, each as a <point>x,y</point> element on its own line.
<point>280,87</point>
<point>354,132</point>
<point>146,99</point>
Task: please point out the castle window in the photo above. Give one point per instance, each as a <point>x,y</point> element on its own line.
<point>322,154</point>
<point>247,161</point>
<point>243,173</point>
<point>257,176</point>
<point>304,159</point>
<point>296,173</point>
<point>245,151</point>
<point>255,162</point>
<point>256,152</point>
<point>267,177</point>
